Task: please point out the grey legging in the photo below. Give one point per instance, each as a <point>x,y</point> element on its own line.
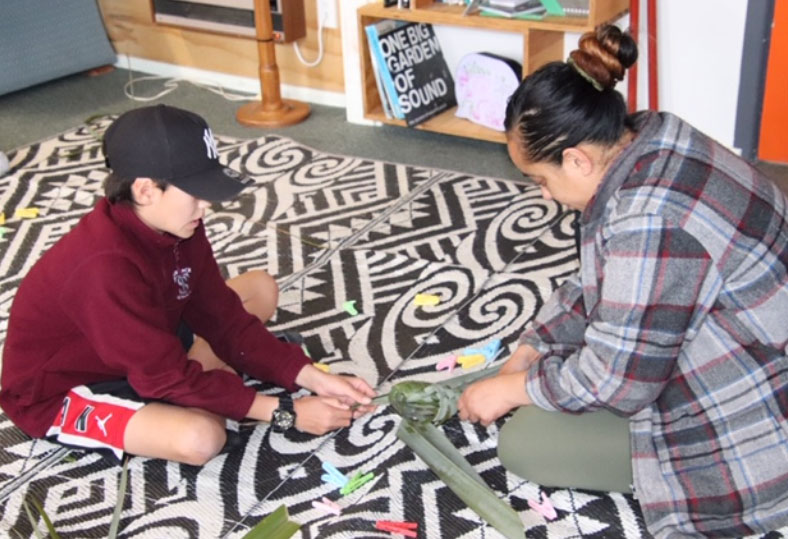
<point>589,451</point>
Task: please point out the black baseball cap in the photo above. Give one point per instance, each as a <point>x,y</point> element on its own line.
<point>170,144</point>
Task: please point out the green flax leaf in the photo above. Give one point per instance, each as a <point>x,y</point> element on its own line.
<point>464,380</point>
<point>275,526</point>
<point>435,436</point>
<point>44,516</point>
<point>448,463</point>
<point>456,385</point>
<point>425,402</point>
<point>33,520</point>
<point>124,477</point>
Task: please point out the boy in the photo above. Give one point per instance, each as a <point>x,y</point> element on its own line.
<point>92,358</point>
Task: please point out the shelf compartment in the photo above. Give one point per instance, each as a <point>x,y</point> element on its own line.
<point>543,42</point>
<point>447,123</point>
<point>448,14</point>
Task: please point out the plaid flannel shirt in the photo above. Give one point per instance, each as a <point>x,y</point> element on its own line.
<point>678,319</point>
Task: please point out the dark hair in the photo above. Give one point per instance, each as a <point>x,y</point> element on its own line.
<point>118,189</point>
<point>563,104</point>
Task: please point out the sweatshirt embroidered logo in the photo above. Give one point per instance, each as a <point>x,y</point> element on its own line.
<point>181,278</point>
<point>210,144</point>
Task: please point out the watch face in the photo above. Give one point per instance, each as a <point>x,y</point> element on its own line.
<point>283,419</point>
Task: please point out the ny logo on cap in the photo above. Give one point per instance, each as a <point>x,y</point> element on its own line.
<point>210,144</point>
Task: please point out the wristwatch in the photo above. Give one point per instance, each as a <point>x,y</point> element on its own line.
<point>283,418</point>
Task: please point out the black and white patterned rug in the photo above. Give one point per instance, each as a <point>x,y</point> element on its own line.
<point>331,229</point>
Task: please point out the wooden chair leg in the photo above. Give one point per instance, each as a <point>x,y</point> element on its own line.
<point>272,110</point>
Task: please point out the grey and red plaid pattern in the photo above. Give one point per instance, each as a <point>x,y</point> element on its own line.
<point>679,319</point>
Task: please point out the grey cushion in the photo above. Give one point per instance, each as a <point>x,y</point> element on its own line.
<point>41,40</point>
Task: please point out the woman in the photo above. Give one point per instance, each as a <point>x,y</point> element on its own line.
<point>666,354</point>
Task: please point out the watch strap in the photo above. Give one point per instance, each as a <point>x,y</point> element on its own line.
<point>286,403</point>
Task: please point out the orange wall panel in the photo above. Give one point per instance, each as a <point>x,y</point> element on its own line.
<point>773,142</point>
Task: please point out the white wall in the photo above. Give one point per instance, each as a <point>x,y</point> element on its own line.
<point>354,105</point>
<point>698,58</point>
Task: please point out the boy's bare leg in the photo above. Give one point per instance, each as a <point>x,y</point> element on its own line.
<point>165,431</point>
<point>259,294</point>
<point>191,435</point>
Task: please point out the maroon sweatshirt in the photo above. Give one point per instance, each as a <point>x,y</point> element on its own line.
<point>104,304</point>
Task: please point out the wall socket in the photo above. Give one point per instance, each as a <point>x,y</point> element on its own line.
<point>327,13</point>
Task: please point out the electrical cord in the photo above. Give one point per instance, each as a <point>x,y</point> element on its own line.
<point>171,83</point>
<point>319,46</point>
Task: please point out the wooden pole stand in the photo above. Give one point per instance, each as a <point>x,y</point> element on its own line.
<point>272,110</point>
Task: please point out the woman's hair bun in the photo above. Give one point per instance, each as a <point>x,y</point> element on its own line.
<point>604,55</point>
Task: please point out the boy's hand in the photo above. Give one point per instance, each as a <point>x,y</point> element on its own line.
<point>487,400</point>
<point>319,415</point>
<point>348,390</point>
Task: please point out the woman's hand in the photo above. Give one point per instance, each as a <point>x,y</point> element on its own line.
<point>319,415</point>
<point>348,390</point>
<point>520,360</point>
<point>487,400</point>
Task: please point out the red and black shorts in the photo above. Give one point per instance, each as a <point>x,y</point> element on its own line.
<point>96,416</point>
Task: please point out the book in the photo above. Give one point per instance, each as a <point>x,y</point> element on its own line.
<point>471,6</point>
<point>413,60</point>
<point>510,4</point>
<point>563,8</point>
<point>576,8</point>
<point>528,9</point>
<point>384,98</point>
<point>530,12</point>
<point>386,88</point>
